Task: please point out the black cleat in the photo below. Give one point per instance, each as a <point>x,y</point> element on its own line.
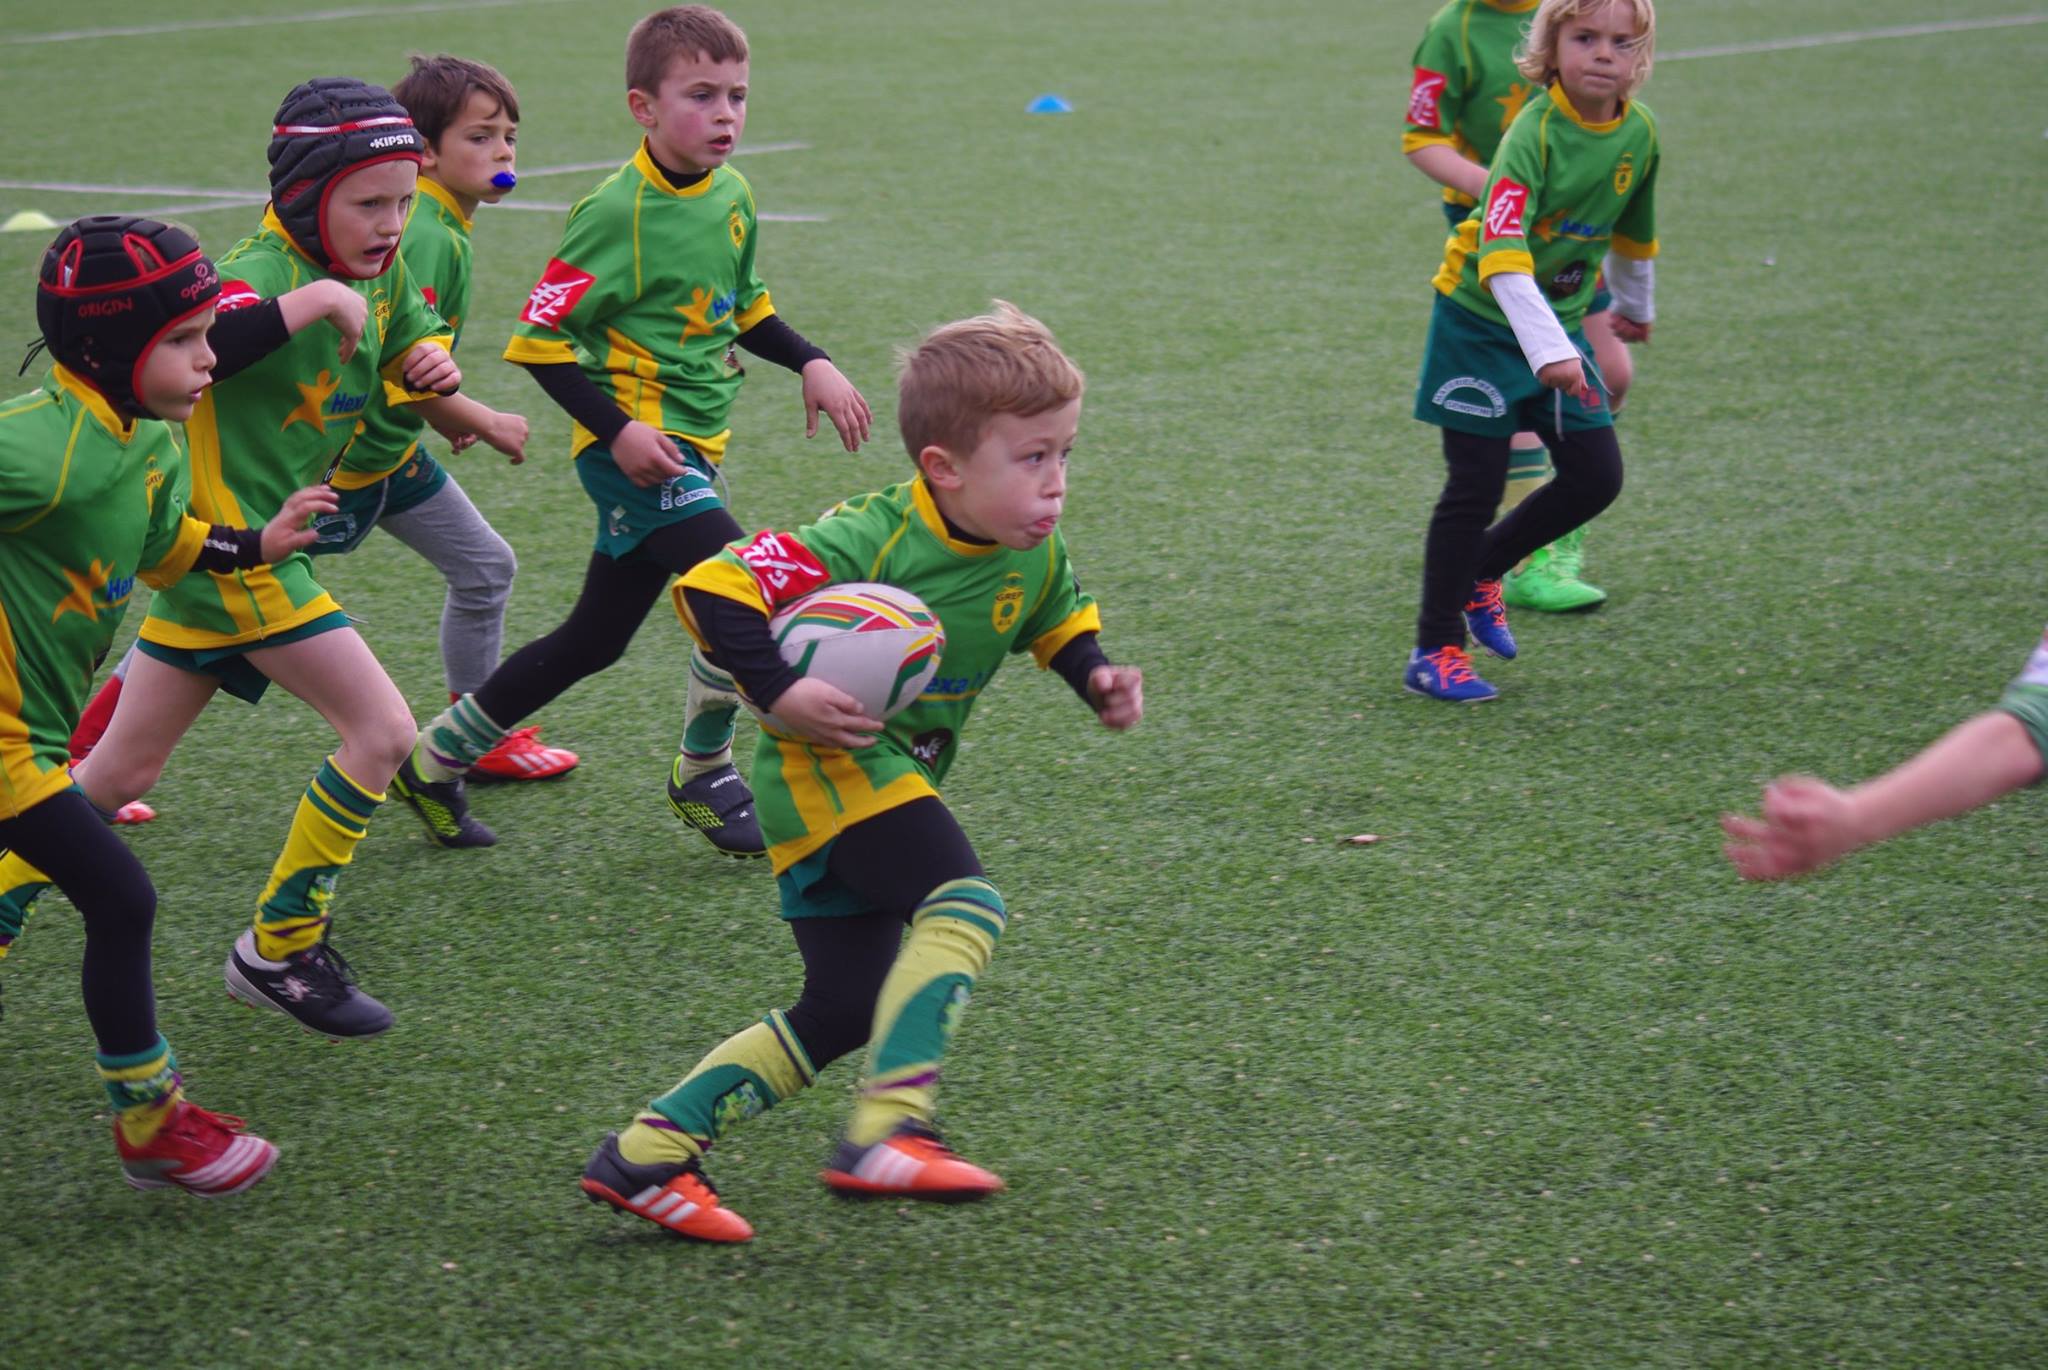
<point>444,807</point>
<point>314,986</point>
<point>719,805</point>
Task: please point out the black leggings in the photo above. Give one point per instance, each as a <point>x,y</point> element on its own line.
<point>892,861</point>
<point>1461,548</point>
<point>68,841</point>
<point>614,603</point>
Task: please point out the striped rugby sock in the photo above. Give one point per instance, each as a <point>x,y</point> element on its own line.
<point>333,816</point>
<point>745,1075</point>
<point>451,743</point>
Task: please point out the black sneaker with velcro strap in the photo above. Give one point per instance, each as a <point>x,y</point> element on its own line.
<point>443,806</point>
<point>719,805</point>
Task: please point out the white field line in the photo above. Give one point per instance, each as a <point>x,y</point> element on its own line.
<point>243,199</point>
<point>1827,40</point>
<point>613,164</point>
<point>253,21</point>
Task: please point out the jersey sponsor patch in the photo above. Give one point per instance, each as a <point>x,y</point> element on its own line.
<point>427,292</point>
<point>1425,99</point>
<point>236,295</point>
<point>555,294</point>
<point>784,568</point>
<point>1504,209</point>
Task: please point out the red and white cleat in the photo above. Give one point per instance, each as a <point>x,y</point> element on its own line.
<point>208,1154</point>
<point>910,1163</point>
<point>521,755</point>
<point>133,812</point>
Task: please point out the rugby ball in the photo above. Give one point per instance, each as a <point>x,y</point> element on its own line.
<point>878,643</point>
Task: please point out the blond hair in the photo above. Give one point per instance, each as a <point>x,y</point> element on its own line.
<point>679,31</point>
<point>965,373</point>
<point>1537,58</point>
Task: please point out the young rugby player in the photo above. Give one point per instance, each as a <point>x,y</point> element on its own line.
<point>343,160</point>
<point>1574,179</point>
<point>631,330</point>
<point>859,839</point>
<point>93,493</point>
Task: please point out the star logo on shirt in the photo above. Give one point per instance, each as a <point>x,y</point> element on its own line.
<point>312,404</point>
<point>698,320</point>
<point>1511,103</point>
<point>84,596</point>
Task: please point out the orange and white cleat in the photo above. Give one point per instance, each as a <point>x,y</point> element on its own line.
<point>910,1163</point>
<point>521,755</point>
<point>676,1197</point>
<point>208,1154</point>
<point>134,812</point>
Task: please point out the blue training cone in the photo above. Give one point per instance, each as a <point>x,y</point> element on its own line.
<point>1049,104</point>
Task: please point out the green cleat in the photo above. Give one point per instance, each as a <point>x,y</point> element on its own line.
<point>1549,582</point>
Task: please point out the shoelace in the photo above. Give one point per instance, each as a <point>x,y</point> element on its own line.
<point>195,1122</point>
<point>334,975</point>
<point>1486,596</point>
<point>1452,665</point>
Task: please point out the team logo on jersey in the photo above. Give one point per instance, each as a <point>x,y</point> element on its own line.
<point>1009,603</point>
<point>927,748</point>
<point>737,227</point>
<point>312,405</point>
<point>1496,405</point>
<point>1566,283</point>
<point>783,567</point>
<point>1504,209</point>
<point>1625,173</point>
<point>90,591</point>
<point>380,306</point>
<point>1425,98</point>
<point>705,312</point>
<point>236,295</point>
<point>555,295</point>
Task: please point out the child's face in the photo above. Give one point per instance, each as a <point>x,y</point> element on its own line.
<point>366,215</point>
<point>477,145</point>
<point>1594,57</point>
<point>694,121</point>
<point>1011,487</point>
<point>177,369</point>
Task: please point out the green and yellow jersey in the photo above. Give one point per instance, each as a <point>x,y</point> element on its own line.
<point>1466,89</point>
<point>647,293</point>
<point>993,602</point>
<point>436,250</point>
<point>277,427</point>
<point>89,502</point>
<point>1560,194</point>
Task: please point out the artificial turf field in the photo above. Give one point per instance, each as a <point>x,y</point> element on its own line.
<point>1533,1080</point>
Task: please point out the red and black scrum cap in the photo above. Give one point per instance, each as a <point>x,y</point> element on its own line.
<point>112,285</point>
<point>325,129</point>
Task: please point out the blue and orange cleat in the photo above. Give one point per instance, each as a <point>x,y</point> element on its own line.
<point>910,1163</point>
<point>1445,673</point>
<point>675,1197</point>
<point>1486,618</point>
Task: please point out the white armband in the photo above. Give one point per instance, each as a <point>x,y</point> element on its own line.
<point>1536,327</point>
<point>1633,282</point>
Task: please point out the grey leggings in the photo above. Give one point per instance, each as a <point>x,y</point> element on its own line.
<point>478,565</point>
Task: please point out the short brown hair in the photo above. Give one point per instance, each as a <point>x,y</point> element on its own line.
<point>963,374</point>
<point>1537,58</point>
<point>436,88</point>
<point>679,31</point>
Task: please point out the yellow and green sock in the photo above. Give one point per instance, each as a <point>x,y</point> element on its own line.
<point>953,934</point>
<point>709,715</point>
<point>453,740</point>
<point>745,1075</point>
<point>333,816</point>
<point>142,1088</point>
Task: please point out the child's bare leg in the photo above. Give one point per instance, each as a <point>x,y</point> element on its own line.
<point>158,704</point>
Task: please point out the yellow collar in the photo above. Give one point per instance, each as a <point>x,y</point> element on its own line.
<point>935,522</point>
<point>94,401</point>
<point>1564,102</point>
<point>644,160</point>
<point>276,225</point>
<point>434,190</point>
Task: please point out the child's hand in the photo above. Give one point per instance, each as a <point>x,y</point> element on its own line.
<point>346,310</point>
<point>1568,376</point>
<point>430,367</point>
<point>824,713</point>
<point>1628,330</point>
<point>1806,824</point>
<point>1118,693</point>
<point>288,532</point>
<point>647,455</point>
<point>827,389</point>
<point>507,433</point>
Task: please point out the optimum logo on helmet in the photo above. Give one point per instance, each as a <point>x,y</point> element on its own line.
<point>111,287</point>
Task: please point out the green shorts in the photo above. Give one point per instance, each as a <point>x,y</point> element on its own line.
<point>230,665</point>
<point>412,484</point>
<point>1476,380</point>
<point>627,513</point>
<point>809,890</point>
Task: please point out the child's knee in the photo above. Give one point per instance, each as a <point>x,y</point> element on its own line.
<point>485,577</point>
<point>382,742</point>
<point>111,778</point>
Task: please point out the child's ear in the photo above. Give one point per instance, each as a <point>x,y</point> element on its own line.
<point>641,104</point>
<point>941,470</point>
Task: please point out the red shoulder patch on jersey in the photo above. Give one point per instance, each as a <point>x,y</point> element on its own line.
<point>784,568</point>
<point>431,298</point>
<point>235,295</point>
<point>1504,209</point>
<point>1425,99</point>
<point>555,295</point>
